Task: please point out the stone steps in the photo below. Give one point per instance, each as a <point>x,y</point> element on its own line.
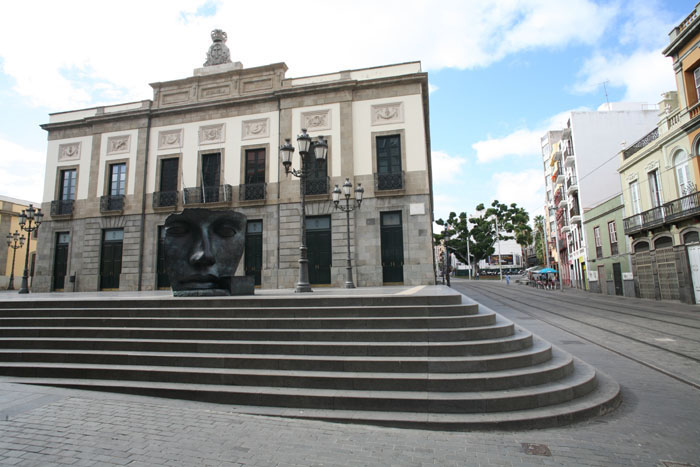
<point>427,360</point>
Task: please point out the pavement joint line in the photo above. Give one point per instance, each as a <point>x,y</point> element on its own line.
<point>412,290</point>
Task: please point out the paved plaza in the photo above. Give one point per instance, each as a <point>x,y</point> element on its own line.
<point>658,423</point>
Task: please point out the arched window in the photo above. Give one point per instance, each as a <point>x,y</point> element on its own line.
<point>691,237</point>
<point>682,169</point>
<point>641,246</point>
<point>663,242</point>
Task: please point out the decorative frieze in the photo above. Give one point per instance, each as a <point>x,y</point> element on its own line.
<point>175,97</point>
<point>170,139</point>
<point>254,129</point>
<point>210,134</point>
<point>316,120</point>
<point>631,178</point>
<point>69,152</point>
<point>118,144</point>
<point>651,166</point>
<point>213,92</point>
<point>383,114</point>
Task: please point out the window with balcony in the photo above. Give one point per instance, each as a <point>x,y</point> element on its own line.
<point>696,79</point>
<point>67,183</point>
<point>598,243</point>
<point>682,170</point>
<point>116,188</point>
<point>612,232</point>
<point>634,195</point>
<point>167,196</point>
<point>655,188</point>
<point>389,169</point>
<point>254,178</point>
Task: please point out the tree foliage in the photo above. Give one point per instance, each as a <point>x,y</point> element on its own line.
<point>539,239</point>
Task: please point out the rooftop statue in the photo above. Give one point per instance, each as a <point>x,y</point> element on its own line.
<point>202,250</point>
<point>218,52</point>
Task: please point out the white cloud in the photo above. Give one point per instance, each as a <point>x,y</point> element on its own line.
<point>518,143</point>
<point>446,168</point>
<point>432,88</point>
<point>80,53</point>
<point>525,188</point>
<point>21,171</point>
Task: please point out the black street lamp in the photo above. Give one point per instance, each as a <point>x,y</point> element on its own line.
<point>14,241</point>
<point>347,189</point>
<point>27,217</point>
<point>320,151</point>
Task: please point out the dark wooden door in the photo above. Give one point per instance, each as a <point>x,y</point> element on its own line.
<point>163,281</point>
<point>111,258</point>
<point>254,250</point>
<point>318,241</point>
<point>60,260</point>
<point>392,247</point>
<point>617,278</point>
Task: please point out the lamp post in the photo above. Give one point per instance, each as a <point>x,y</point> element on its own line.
<point>359,191</point>
<point>14,241</point>
<point>306,148</point>
<point>27,217</point>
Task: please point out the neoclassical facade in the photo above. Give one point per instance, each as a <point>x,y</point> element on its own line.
<point>114,173</point>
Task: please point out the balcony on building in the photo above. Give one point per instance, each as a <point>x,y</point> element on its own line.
<point>569,159</point>
<point>639,144</point>
<point>575,214</point>
<point>111,203</point>
<point>673,211</point>
<point>62,207</point>
<point>571,184</point>
<point>165,199</point>
<point>253,192</point>
<point>209,194</point>
<point>317,185</point>
<point>389,181</point>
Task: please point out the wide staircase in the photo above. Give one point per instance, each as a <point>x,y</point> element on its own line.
<point>429,361</point>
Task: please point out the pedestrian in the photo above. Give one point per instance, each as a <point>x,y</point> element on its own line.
<point>507,279</point>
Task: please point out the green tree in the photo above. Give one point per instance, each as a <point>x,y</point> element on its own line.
<point>539,239</point>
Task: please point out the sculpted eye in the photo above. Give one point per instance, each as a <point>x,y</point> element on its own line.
<point>177,230</point>
<point>225,229</point>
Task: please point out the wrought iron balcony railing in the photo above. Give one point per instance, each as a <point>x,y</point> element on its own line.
<point>392,181</point>
<point>209,194</point>
<point>112,203</point>
<point>317,186</point>
<point>252,191</point>
<point>648,138</point>
<point>62,207</point>
<point>162,199</point>
<point>680,208</point>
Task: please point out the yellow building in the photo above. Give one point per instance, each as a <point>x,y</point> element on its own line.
<point>659,175</point>
<point>10,209</point>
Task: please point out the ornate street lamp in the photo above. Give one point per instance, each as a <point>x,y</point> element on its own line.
<point>347,189</point>
<point>27,217</point>
<point>14,241</point>
<point>319,149</point>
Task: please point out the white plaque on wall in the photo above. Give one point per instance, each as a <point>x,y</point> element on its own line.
<point>69,152</point>
<point>118,144</point>
<point>316,120</point>
<point>253,129</point>
<point>627,276</point>
<point>170,139</point>
<point>209,134</point>
<point>417,209</point>
<point>592,275</point>
<point>383,114</point>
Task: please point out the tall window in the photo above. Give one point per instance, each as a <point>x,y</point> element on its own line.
<point>211,177</point>
<point>254,183</point>
<point>168,174</point>
<point>680,164</point>
<point>612,232</point>
<point>634,194</point>
<point>389,162</point>
<point>655,188</point>
<point>68,183</point>
<point>117,179</point>
<point>696,75</point>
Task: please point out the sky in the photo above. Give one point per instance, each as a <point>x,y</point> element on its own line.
<point>500,73</point>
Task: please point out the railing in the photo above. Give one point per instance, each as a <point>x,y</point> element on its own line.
<point>209,194</point>
<point>674,119</point>
<point>574,211</point>
<point>557,197</point>
<point>632,223</point>
<point>682,207</point>
<point>393,181</point>
<point>252,191</point>
<point>648,138</point>
<point>694,111</point>
<point>163,199</point>
<point>571,181</point>
<point>317,186</point>
<point>112,203</point>
<point>686,22</point>
<point>62,207</point>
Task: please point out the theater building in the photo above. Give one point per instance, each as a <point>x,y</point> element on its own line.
<point>114,173</point>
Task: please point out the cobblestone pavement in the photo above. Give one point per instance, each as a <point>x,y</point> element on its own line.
<point>659,420</point>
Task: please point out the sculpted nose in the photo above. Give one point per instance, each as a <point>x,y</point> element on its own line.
<point>201,254</point>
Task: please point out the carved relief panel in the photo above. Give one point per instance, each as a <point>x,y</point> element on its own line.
<point>69,152</point>
<point>258,128</point>
<point>170,139</point>
<point>383,114</point>
<point>118,144</point>
<point>316,120</point>
<point>209,134</point>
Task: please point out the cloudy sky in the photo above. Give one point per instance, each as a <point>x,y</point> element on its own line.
<point>501,73</point>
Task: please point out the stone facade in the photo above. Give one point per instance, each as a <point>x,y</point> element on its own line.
<point>229,110</point>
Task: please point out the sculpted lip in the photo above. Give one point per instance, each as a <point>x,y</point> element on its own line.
<point>200,281</point>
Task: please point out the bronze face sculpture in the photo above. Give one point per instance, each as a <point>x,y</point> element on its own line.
<point>202,250</point>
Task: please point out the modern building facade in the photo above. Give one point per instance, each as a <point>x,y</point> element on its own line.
<point>10,209</point>
<point>659,173</point>
<point>114,173</point>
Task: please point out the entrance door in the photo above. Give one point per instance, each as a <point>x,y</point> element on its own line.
<point>392,247</point>
<point>111,258</point>
<point>162,279</point>
<point>318,241</point>
<point>617,278</point>
<point>694,260</point>
<point>253,250</point>
<point>602,280</point>
<point>668,276</point>
<point>60,260</point>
